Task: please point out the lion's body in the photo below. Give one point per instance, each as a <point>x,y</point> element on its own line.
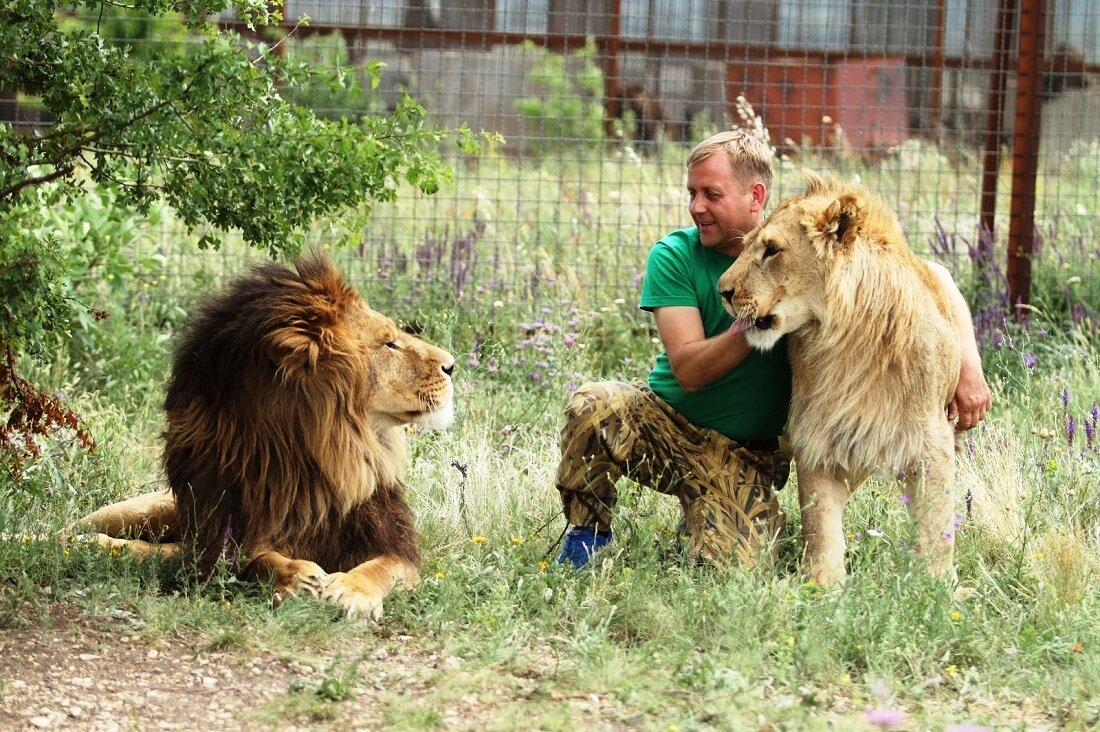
<point>284,444</point>
<point>874,359</point>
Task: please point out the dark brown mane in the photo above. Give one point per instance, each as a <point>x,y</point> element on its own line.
<point>268,442</point>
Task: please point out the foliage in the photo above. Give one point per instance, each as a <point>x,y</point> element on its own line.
<point>201,126</point>
<point>570,110</point>
<point>333,87</point>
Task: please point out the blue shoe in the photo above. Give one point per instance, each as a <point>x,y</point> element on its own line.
<point>581,543</point>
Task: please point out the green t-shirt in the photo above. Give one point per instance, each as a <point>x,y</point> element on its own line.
<point>752,400</point>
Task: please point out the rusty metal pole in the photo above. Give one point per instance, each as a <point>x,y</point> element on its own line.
<point>937,70</point>
<point>611,81</point>
<point>1025,149</point>
<point>994,128</point>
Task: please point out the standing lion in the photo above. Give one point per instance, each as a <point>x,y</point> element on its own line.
<point>874,359</point>
<point>285,446</point>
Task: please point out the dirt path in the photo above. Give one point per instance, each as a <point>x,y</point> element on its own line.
<point>81,673</point>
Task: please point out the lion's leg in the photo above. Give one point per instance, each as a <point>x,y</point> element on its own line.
<point>932,508</point>
<point>822,498</point>
<point>290,576</point>
<point>149,515</point>
<point>361,590</point>
<point>139,547</point>
<point>119,525</point>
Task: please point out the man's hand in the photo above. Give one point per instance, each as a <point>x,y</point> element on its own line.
<point>972,397</point>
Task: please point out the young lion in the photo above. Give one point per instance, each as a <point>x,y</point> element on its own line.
<point>874,359</point>
<point>284,448</point>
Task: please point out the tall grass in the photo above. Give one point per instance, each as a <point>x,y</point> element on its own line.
<point>534,295</point>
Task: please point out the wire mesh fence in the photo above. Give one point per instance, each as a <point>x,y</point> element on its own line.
<point>977,119</point>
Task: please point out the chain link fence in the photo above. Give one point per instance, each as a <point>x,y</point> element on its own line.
<point>978,120</point>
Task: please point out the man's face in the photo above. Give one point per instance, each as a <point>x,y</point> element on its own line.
<point>722,210</point>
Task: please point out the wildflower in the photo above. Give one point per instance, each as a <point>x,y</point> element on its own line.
<point>955,616</point>
<point>875,532</point>
<point>966,728</point>
<point>948,536</point>
<point>885,717</point>
<point>951,670</point>
<point>517,539</point>
<point>440,575</point>
<point>1029,360</point>
<point>1071,430</point>
<point>1078,647</point>
<point>905,499</point>
<point>543,565</point>
<point>478,539</point>
<point>1065,398</point>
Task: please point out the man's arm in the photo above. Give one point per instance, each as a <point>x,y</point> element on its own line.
<point>972,396</point>
<point>695,360</point>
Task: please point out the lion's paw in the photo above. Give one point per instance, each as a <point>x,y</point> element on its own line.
<point>301,576</point>
<point>357,596</point>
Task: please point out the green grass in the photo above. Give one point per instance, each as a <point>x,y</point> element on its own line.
<point>640,640</point>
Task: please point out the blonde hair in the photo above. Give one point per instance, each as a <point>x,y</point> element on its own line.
<point>749,156</point>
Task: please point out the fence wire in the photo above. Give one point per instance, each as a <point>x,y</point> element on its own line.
<point>599,102</point>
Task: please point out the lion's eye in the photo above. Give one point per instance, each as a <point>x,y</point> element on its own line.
<point>770,250</point>
<point>393,345</point>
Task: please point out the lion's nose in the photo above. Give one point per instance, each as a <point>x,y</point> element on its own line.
<point>727,295</point>
<point>449,369</point>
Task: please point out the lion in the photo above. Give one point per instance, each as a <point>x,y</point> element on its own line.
<point>874,358</point>
<point>285,448</point>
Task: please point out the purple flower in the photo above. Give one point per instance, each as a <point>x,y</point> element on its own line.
<point>1029,360</point>
<point>1071,430</point>
<point>1065,397</point>
<point>905,499</point>
<point>966,728</point>
<point>885,717</point>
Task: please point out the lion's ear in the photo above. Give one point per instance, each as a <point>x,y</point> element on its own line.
<point>295,351</point>
<point>840,221</point>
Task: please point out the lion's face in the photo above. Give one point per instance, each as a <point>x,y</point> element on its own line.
<point>336,353</point>
<point>776,282</point>
<point>409,378</point>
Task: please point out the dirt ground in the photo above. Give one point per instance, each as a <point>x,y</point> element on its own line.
<point>81,673</point>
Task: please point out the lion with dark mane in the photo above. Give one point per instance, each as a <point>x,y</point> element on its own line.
<point>874,361</point>
<point>285,446</point>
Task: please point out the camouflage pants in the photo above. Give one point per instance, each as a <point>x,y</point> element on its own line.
<point>726,488</point>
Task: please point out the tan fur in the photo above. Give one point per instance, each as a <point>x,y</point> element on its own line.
<point>874,358</point>
<point>284,446</point>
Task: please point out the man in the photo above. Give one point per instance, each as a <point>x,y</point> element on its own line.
<point>706,426</point>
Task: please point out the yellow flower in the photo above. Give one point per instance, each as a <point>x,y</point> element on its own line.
<point>440,575</point>
<point>790,640</point>
<point>543,565</point>
<point>517,539</point>
<point>955,616</point>
<point>845,678</point>
<point>952,670</point>
<point>478,539</point>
